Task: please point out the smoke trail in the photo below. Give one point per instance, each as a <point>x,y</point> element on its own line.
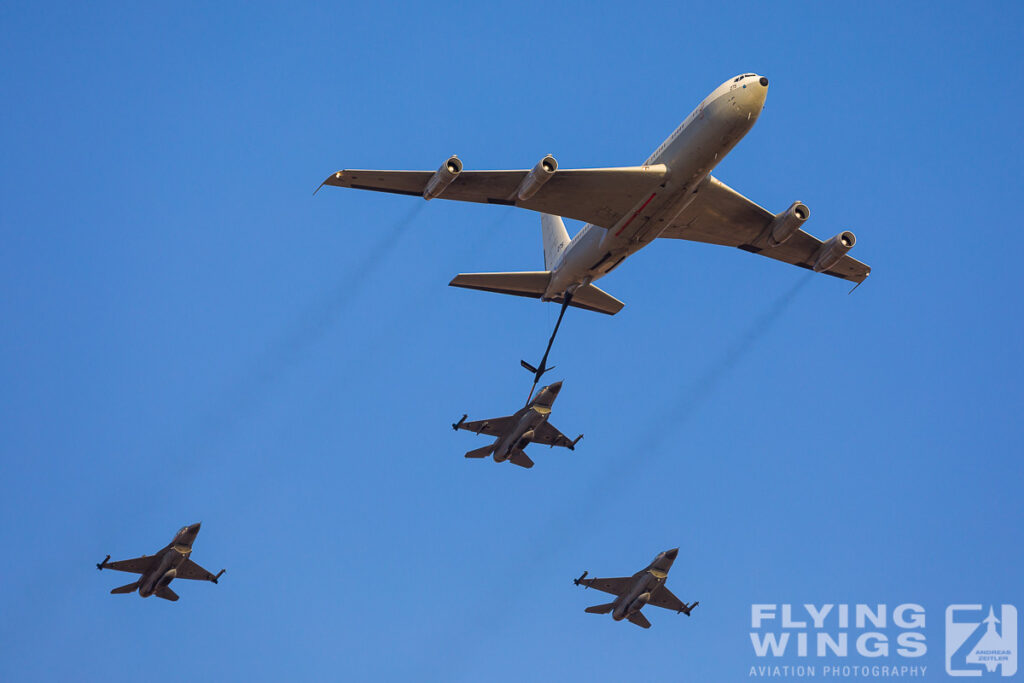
<point>708,382</point>
<point>679,412</point>
<point>311,325</point>
<point>563,530</point>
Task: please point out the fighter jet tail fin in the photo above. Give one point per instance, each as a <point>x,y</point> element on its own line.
<point>521,459</point>
<point>167,594</point>
<point>129,588</point>
<point>600,609</point>
<point>639,619</point>
<point>480,452</point>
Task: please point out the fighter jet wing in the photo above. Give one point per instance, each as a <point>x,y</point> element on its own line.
<point>136,565</point>
<point>493,426</point>
<point>549,436</point>
<point>616,586</point>
<point>596,195</point>
<point>663,597</point>
<point>191,570</point>
<point>721,215</point>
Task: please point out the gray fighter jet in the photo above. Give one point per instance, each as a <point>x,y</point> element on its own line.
<point>172,562</point>
<point>528,425</point>
<point>646,587</point>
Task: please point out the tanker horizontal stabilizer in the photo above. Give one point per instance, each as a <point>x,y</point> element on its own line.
<point>533,284</point>
<point>166,593</point>
<point>129,588</point>
<point>528,283</point>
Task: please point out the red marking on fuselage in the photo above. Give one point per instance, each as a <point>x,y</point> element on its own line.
<point>635,214</point>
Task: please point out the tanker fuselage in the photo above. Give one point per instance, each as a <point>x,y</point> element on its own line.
<point>689,154</point>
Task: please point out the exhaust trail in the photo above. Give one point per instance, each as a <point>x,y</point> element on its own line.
<point>178,458</point>
<point>312,325</point>
<point>680,411</point>
<point>563,530</point>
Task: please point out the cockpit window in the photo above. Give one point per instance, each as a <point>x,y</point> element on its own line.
<point>740,78</point>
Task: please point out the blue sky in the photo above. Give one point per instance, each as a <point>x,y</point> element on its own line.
<point>190,335</point>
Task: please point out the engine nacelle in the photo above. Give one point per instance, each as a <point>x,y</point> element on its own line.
<point>167,578</point>
<point>525,439</point>
<point>638,604</point>
<point>833,250</point>
<point>535,179</point>
<point>444,176</point>
<point>787,223</point>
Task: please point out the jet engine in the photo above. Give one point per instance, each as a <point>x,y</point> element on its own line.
<point>167,578</point>
<point>833,250</point>
<point>638,604</point>
<point>787,223</point>
<point>444,176</point>
<point>525,439</point>
<point>538,175</point>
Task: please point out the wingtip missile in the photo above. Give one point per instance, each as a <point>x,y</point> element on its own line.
<point>575,441</point>
<point>216,579</point>
<point>101,565</point>
<point>688,608</point>
<point>580,580</point>
<point>456,425</point>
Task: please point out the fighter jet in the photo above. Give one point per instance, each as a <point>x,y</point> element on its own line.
<point>157,571</point>
<point>646,587</point>
<point>528,425</point>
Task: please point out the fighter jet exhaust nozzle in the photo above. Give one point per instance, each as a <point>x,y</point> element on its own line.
<point>535,179</point>
<point>787,223</point>
<point>444,176</point>
<point>833,250</point>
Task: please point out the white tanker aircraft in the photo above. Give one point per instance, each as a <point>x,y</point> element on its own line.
<point>672,194</point>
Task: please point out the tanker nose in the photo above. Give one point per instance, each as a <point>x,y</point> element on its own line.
<point>763,81</point>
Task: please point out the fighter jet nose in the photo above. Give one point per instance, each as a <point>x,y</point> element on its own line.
<point>671,554</point>
<point>556,387</point>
